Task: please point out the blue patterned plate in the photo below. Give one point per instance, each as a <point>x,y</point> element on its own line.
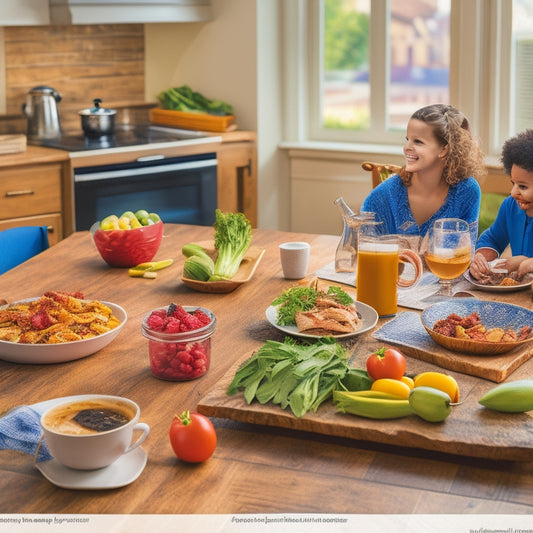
<point>492,314</point>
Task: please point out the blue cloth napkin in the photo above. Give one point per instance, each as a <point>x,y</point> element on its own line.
<point>407,329</point>
<point>20,429</point>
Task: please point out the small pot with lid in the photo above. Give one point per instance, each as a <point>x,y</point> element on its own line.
<point>97,121</point>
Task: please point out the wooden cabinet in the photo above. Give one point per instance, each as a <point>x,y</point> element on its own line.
<point>31,190</point>
<point>237,174</point>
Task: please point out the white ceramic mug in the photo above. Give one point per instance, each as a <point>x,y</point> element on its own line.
<point>294,259</point>
<point>91,450</point>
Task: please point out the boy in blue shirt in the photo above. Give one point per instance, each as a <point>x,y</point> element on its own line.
<point>514,223</point>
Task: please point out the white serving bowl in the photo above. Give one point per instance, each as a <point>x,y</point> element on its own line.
<point>43,354</point>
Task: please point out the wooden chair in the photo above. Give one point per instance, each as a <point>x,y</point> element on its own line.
<point>380,172</point>
<point>20,244</point>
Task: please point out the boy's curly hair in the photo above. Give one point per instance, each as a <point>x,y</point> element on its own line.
<point>451,128</point>
<point>518,151</point>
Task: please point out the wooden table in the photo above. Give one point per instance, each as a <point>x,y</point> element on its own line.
<point>254,469</point>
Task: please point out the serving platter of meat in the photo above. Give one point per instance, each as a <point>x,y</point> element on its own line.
<point>478,327</point>
<point>328,318</point>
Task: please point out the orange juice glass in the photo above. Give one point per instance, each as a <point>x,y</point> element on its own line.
<point>378,261</point>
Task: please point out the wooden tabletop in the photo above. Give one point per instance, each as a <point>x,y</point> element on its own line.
<point>255,469</point>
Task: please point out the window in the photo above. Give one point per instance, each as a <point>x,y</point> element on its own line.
<point>357,69</point>
<point>415,70</point>
<point>522,73</point>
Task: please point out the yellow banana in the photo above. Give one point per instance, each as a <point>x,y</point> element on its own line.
<point>372,404</point>
<point>148,270</point>
<point>512,397</point>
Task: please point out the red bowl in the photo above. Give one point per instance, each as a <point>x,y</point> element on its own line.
<point>127,248</point>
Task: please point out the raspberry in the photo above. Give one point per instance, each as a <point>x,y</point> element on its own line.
<point>202,317</point>
<point>173,325</point>
<point>159,312</point>
<point>155,322</point>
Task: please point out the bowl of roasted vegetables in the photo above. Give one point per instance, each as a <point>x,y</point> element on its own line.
<point>225,263</point>
<point>57,327</point>
<point>128,240</point>
<point>477,326</point>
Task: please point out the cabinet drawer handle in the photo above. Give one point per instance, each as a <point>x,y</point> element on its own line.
<point>26,192</point>
<point>50,229</point>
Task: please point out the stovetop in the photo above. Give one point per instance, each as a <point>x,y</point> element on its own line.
<point>125,135</point>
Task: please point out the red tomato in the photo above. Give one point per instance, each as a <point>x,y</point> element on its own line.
<point>193,437</point>
<point>386,363</point>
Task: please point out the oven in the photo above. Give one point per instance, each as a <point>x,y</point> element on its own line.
<point>179,189</point>
<point>142,167</point>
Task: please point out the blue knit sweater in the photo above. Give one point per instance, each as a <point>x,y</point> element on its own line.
<point>390,203</point>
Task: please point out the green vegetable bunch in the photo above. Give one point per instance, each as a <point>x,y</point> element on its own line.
<point>303,299</point>
<point>233,235</point>
<point>185,99</point>
<point>299,376</point>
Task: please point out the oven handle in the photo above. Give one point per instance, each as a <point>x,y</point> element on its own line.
<point>131,172</point>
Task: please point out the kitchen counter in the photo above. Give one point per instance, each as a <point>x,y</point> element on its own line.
<point>255,469</point>
<point>33,155</point>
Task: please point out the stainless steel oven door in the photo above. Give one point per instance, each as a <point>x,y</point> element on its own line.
<point>179,189</point>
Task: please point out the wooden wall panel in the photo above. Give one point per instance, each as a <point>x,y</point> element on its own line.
<point>81,62</point>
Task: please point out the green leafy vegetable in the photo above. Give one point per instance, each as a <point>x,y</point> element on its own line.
<point>299,376</point>
<point>303,299</point>
<point>185,99</point>
<point>233,235</point>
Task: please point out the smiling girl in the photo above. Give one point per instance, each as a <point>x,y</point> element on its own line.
<point>443,162</point>
<point>514,223</point>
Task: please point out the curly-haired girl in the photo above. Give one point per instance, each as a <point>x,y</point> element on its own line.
<point>514,223</point>
<point>443,162</point>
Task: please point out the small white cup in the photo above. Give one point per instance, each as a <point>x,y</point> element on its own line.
<point>91,451</point>
<point>294,259</point>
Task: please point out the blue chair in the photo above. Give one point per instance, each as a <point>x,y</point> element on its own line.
<point>20,244</point>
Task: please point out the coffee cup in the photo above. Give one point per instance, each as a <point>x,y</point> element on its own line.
<point>383,265</point>
<point>294,259</point>
<point>88,432</point>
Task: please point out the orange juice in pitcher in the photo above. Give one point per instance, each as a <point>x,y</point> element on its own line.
<point>378,261</point>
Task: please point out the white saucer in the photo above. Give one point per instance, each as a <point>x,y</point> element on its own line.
<point>118,474</point>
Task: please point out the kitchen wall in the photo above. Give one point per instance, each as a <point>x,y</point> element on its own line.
<point>82,62</point>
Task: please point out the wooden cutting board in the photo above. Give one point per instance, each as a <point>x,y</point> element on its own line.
<point>470,430</point>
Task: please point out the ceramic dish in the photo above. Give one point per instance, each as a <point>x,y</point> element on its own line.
<point>43,354</point>
<point>246,270</point>
<point>368,314</point>
<point>122,472</point>
<point>492,314</point>
<point>496,288</point>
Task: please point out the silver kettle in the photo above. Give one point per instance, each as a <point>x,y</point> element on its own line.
<point>41,110</point>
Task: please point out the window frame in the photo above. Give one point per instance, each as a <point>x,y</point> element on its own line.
<point>481,89</point>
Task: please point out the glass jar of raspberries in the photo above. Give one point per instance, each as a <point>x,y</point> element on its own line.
<point>179,341</point>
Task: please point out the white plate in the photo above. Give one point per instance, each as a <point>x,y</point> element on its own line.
<point>43,354</point>
<point>368,314</point>
<point>123,471</point>
<point>496,288</point>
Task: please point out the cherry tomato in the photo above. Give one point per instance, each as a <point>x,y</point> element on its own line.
<point>192,437</point>
<point>386,363</point>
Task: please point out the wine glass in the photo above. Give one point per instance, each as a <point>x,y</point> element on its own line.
<point>449,251</point>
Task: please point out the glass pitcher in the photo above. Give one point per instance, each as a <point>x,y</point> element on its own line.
<point>346,253</point>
